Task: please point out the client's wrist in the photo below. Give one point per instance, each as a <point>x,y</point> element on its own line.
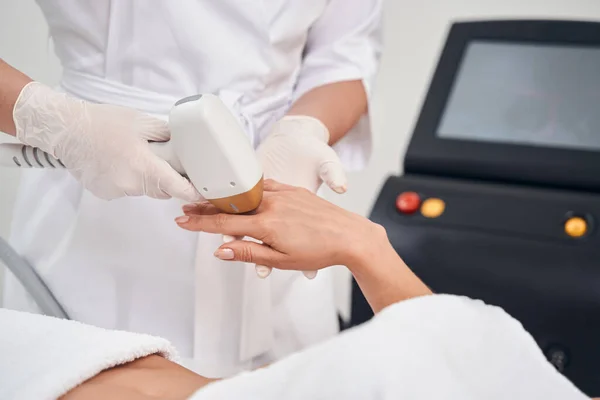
<point>370,246</point>
<point>381,274</point>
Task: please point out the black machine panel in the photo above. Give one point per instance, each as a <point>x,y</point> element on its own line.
<point>524,91</point>
<point>500,198</point>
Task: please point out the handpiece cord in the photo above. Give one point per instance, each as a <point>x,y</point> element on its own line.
<point>31,281</point>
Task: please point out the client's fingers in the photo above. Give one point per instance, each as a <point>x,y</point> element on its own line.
<point>263,271</point>
<point>250,252</point>
<point>202,208</point>
<point>226,224</point>
<point>231,238</point>
<point>310,274</point>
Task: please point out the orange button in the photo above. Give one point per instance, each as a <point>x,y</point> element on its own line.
<point>433,208</point>
<point>576,227</point>
<point>408,202</point>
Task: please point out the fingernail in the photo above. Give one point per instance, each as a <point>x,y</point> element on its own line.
<point>182,220</point>
<point>310,274</point>
<point>340,189</point>
<point>263,271</point>
<point>224,254</point>
<point>228,238</point>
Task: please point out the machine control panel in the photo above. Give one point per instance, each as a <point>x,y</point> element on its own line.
<point>503,209</point>
<point>410,202</point>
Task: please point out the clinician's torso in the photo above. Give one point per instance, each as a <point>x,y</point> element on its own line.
<point>252,48</point>
<point>124,264</point>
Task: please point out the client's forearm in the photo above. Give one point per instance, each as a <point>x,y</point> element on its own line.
<point>12,82</point>
<point>383,277</point>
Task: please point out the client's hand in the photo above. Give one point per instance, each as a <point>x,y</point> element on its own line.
<point>297,153</point>
<point>298,230</point>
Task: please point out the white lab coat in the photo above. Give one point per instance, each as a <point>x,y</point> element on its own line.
<point>124,264</point>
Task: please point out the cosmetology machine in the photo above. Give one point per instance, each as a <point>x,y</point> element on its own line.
<point>207,144</point>
<point>500,196</point>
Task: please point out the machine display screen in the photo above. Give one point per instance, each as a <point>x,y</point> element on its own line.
<point>532,94</point>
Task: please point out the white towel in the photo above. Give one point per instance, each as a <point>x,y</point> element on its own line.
<point>43,357</point>
<point>436,347</point>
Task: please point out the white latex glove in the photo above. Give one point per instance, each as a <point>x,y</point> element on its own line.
<point>104,146</point>
<point>297,153</point>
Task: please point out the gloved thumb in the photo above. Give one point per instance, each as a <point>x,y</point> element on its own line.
<point>332,173</point>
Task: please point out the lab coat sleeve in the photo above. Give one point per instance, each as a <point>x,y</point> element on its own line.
<point>45,357</point>
<point>345,44</point>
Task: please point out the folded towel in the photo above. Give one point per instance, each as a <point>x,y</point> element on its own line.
<point>43,357</point>
<point>435,347</point>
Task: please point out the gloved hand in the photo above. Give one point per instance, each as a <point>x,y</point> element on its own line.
<point>297,153</point>
<point>105,147</point>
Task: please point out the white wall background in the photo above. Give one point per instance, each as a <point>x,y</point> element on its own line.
<point>414,34</point>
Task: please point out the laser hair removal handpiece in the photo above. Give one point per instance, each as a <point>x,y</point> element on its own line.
<point>208,145</point>
<point>216,154</point>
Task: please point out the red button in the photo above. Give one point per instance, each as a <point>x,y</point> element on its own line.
<point>408,202</point>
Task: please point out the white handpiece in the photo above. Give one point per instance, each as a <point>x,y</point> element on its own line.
<point>17,155</point>
<point>216,154</point>
<point>207,144</point>
<point>21,156</point>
